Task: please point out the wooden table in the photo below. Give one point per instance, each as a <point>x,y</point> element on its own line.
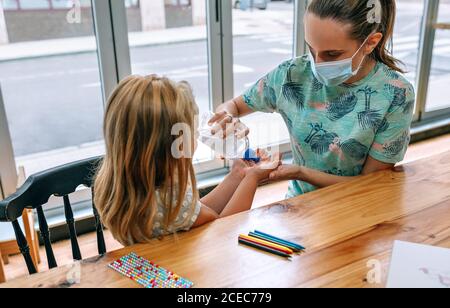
<point>344,227</point>
<point>2,269</point>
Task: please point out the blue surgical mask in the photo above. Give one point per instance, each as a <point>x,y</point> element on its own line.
<point>335,73</point>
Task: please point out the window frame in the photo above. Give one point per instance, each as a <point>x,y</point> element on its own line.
<point>426,47</point>
<point>8,172</point>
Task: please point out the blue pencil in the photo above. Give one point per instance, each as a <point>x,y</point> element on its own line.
<point>294,247</point>
<point>280,240</point>
<point>265,238</point>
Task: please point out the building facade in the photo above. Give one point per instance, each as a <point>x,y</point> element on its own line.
<point>3,30</point>
<point>18,18</point>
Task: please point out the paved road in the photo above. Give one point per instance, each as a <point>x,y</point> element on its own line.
<point>55,102</point>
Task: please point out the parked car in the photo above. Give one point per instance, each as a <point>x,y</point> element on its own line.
<point>246,4</point>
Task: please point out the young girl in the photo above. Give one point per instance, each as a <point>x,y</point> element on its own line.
<point>346,103</point>
<point>142,190</point>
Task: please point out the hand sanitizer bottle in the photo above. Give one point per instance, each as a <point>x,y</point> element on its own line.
<point>231,147</point>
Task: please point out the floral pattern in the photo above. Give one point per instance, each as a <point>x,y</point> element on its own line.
<point>336,129</point>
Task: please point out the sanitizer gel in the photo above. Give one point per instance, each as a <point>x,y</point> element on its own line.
<point>231,147</point>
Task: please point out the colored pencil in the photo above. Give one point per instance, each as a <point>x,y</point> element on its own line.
<point>280,240</point>
<point>263,248</point>
<point>267,244</point>
<point>261,237</point>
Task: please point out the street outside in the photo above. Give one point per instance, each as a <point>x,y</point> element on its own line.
<point>55,102</point>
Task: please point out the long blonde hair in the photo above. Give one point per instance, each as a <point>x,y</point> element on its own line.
<point>139,163</point>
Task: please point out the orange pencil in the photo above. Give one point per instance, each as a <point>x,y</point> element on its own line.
<point>266,244</point>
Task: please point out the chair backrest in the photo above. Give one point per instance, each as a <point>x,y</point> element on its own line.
<point>36,192</point>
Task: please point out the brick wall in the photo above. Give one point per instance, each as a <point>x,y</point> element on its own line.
<point>32,25</point>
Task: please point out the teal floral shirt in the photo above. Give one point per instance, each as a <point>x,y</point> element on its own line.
<point>335,129</point>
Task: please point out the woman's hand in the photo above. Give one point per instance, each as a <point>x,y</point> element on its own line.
<point>224,123</point>
<point>263,170</point>
<point>285,173</point>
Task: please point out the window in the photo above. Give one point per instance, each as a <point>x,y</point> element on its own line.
<point>51,88</point>
<point>67,4</point>
<point>262,39</point>
<point>171,40</point>
<point>438,91</point>
<point>45,4</point>
<point>407,35</point>
<point>406,38</point>
<point>10,4</point>
<point>178,2</point>
<point>33,4</point>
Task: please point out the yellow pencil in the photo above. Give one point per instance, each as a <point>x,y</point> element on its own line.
<point>266,243</point>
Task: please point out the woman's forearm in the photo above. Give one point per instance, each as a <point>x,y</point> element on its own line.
<point>221,195</point>
<point>235,107</point>
<point>321,179</point>
<point>229,107</point>
<point>316,178</point>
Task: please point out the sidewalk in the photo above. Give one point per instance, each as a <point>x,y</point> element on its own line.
<point>245,23</point>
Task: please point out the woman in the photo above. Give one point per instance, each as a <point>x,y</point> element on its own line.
<point>347,105</point>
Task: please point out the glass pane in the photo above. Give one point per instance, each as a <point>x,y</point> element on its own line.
<point>263,39</point>
<point>62,4</point>
<point>407,35</point>
<point>10,4</point>
<point>67,4</point>
<point>438,89</point>
<point>50,81</point>
<point>34,4</point>
<point>170,38</point>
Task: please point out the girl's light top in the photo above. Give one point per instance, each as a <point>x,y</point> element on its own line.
<point>186,217</point>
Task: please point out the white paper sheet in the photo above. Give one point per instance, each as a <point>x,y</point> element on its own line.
<point>419,266</point>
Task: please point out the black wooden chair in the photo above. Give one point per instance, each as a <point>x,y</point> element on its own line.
<point>35,193</point>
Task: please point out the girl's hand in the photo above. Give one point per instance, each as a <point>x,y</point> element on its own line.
<point>225,124</point>
<point>285,173</point>
<point>240,167</point>
<point>265,167</point>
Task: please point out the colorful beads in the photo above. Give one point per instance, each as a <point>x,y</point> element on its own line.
<point>148,274</point>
